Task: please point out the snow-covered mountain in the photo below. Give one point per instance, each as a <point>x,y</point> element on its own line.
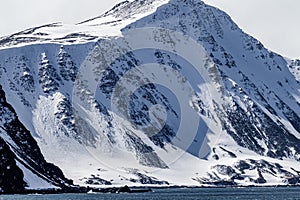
<point>163,92</point>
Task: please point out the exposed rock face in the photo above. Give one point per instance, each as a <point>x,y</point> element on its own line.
<point>11,179</point>
<point>240,170</point>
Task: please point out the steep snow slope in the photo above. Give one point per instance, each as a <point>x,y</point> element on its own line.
<point>21,156</point>
<point>156,92</point>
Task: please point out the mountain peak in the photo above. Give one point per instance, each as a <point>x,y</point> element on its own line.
<point>150,88</point>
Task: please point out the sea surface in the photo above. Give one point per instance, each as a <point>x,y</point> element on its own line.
<point>287,193</point>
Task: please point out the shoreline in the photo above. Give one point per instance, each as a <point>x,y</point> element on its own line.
<point>132,189</point>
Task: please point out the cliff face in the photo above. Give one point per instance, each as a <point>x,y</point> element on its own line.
<point>11,177</point>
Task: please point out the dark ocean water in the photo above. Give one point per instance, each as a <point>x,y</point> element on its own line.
<point>290,193</point>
